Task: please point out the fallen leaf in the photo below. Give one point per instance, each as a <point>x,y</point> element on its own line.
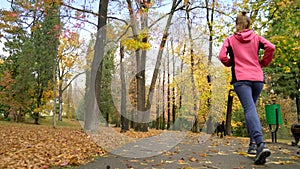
<point>168,162</point>
<point>283,162</point>
<point>192,159</point>
<point>203,155</point>
<point>181,161</point>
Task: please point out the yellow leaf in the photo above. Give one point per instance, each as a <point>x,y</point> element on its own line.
<point>283,162</point>
<point>181,162</point>
<point>168,162</point>
<point>192,159</point>
<point>143,163</point>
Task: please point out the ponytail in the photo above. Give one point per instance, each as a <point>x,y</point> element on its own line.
<point>242,22</point>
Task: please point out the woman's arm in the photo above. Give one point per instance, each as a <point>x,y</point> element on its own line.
<point>223,55</point>
<point>269,51</point>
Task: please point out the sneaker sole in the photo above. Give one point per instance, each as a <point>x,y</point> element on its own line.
<point>253,152</point>
<point>261,159</point>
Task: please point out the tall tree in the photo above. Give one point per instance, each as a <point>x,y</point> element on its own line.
<point>68,64</point>
<point>192,67</point>
<point>168,93</point>
<point>107,106</point>
<point>140,55</point>
<point>124,121</point>
<point>164,38</point>
<point>284,32</point>
<point>45,40</point>
<point>94,93</point>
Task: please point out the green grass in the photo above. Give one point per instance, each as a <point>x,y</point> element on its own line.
<point>48,121</point>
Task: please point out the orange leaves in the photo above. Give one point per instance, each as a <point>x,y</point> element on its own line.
<point>31,146</point>
<point>7,92</point>
<point>8,16</point>
<point>134,134</point>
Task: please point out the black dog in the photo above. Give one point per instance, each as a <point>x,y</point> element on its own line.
<point>220,129</point>
<point>295,129</point>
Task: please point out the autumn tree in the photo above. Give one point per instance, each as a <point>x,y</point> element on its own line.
<point>284,71</point>
<point>16,40</point>
<point>68,64</point>
<point>45,40</point>
<point>9,105</point>
<point>32,52</point>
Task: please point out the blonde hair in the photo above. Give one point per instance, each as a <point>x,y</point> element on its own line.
<point>242,22</point>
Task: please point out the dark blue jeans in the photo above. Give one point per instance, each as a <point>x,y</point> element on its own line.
<point>248,93</point>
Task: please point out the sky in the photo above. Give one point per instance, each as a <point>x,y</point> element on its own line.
<point>3,5</point>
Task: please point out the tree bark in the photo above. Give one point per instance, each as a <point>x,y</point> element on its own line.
<point>91,115</point>
<point>54,95</point>
<point>157,124</point>
<point>195,125</point>
<point>168,94</point>
<point>298,108</point>
<point>163,123</point>
<point>229,113</point>
<point>124,122</point>
<point>141,72</point>
<point>173,89</point>
<point>210,22</point>
<point>60,98</point>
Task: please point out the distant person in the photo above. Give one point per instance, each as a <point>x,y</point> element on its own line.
<point>240,51</point>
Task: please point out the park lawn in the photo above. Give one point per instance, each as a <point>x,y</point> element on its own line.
<point>25,145</point>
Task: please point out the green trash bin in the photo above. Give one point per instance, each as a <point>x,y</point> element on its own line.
<point>271,114</point>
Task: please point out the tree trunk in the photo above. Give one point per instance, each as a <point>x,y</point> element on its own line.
<point>229,113</point>
<point>210,27</point>
<point>210,22</point>
<point>168,94</point>
<point>132,119</point>
<point>298,108</point>
<point>181,86</point>
<point>124,126</point>
<point>60,99</point>
<point>173,90</point>
<point>54,95</point>
<point>142,80</point>
<point>163,123</point>
<point>194,128</point>
<point>106,119</point>
<point>91,115</point>
<point>140,76</point>
<point>157,124</point>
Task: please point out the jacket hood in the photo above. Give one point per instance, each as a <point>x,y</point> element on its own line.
<point>245,36</point>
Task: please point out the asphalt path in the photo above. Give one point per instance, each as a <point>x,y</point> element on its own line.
<point>175,150</point>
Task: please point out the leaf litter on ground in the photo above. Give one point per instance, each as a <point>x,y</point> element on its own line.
<point>42,146</point>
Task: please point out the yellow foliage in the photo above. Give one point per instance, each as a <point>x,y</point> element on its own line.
<point>132,44</point>
<point>47,95</point>
<point>37,110</point>
<point>287,69</point>
<point>68,53</point>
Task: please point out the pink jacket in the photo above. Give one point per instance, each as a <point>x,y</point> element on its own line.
<point>243,49</point>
